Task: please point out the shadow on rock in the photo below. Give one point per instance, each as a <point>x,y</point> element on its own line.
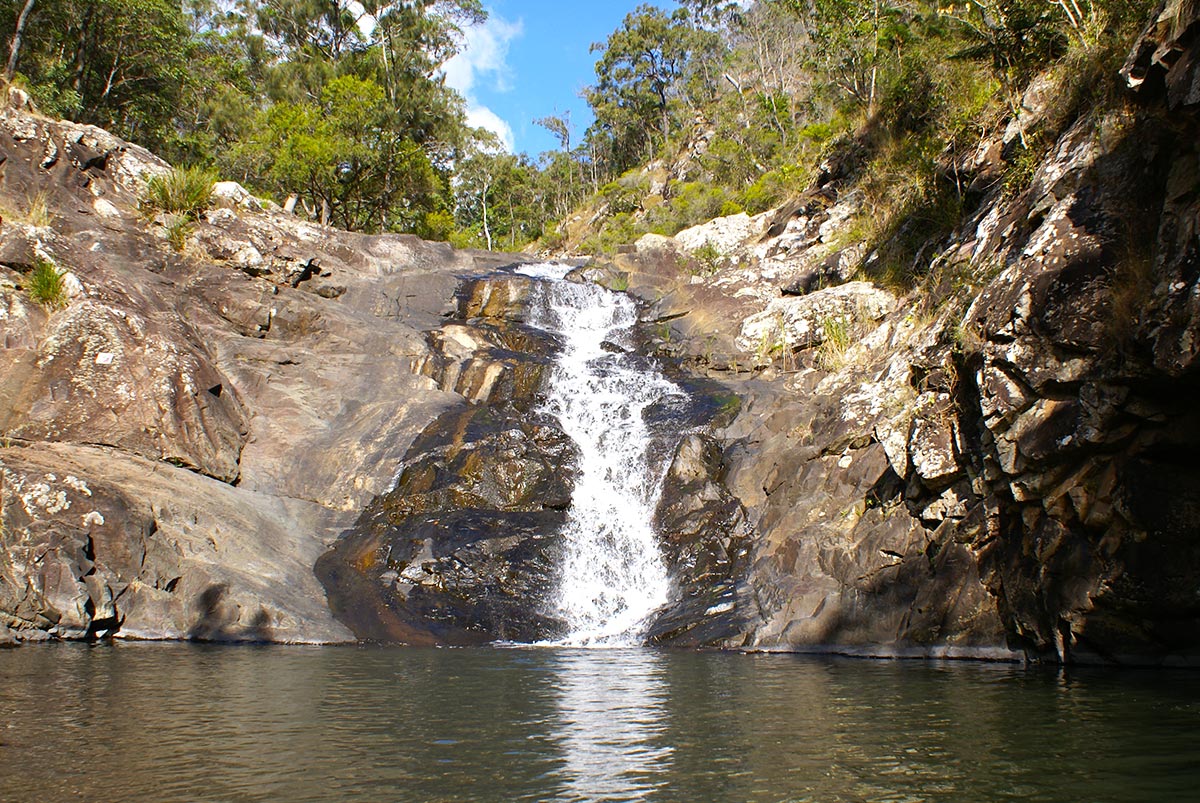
<point>219,619</point>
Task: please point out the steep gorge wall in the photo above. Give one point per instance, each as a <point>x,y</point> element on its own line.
<point>1001,472</point>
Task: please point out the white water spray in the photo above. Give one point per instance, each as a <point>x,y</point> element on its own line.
<point>612,577</point>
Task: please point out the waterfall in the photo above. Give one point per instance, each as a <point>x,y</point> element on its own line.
<point>612,575</point>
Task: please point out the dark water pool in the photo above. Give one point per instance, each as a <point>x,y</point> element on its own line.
<point>174,722</point>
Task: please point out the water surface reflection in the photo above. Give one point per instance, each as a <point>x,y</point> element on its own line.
<point>613,711</point>
<point>133,723</point>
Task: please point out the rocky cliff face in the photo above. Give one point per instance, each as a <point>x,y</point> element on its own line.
<point>187,435</point>
<point>1000,463</point>
<point>462,550</point>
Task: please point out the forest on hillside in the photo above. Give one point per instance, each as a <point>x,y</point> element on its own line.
<point>707,109</point>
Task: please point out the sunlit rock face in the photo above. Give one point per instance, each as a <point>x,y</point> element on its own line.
<point>189,431</point>
<point>997,464</point>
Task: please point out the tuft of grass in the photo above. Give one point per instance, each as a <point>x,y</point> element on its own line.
<point>1020,168</point>
<point>186,192</point>
<point>831,354</point>
<point>45,286</point>
<point>770,346</point>
<point>38,210</point>
<point>967,339</point>
<point>179,228</point>
<point>1132,285</point>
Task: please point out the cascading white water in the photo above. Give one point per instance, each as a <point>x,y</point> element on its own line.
<point>612,577</point>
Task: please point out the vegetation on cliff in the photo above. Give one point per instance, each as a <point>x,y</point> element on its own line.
<point>761,100</point>
<point>708,109</point>
<point>289,97</point>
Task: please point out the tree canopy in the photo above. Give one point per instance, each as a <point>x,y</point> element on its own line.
<point>342,106</point>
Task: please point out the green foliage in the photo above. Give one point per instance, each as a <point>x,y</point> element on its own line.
<point>179,228</point>
<point>120,64</point>
<point>552,240</point>
<point>343,152</point>
<point>240,75</point>
<point>856,41</point>
<point>708,259</point>
<point>1013,37</point>
<point>625,195</point>
<point>773,187</point>
<point>648,71</point>
<point>291,97</point>
<point>503,199</point>
<point>616,231</point>
<point>438,225</point>
<point>186,192</point>
<point>1020,167</point>
<point>730,207</point>
<point>911,204</point>
<point>45,286</point>
<point>303,98</point>
<point>730,160</point>
<point>901,91</point>
<point>820,132</point>
<point>689,204</point>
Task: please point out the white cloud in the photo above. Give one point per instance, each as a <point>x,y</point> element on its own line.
<point>479,116</point>
<point>484,57</point>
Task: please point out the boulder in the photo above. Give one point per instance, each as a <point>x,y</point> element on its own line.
<point>233,194</point>
<point>102,543</point>
<point>183,439</point>
<point>800,322</point>
<point>18,250</point>
<point>463,549</point>
<point>724,235</point>
<point>706,546</point>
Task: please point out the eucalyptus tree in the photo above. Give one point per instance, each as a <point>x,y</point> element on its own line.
<point>121,64</point>
<point>352,116</point>
<point>638,73</point>
<point>499,198</point>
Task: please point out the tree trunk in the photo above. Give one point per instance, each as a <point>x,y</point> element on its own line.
<point>14,47</point>
<point>874,61</point>
<point>666,118</point>
<point>486,231</point>
<point>512,225</point>
<point>741,97</point>
<point>85,26</point>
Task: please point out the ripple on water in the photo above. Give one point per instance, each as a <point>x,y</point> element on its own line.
<point>134,723</point>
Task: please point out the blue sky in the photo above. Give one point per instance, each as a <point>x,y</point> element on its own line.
<point>531,59</point>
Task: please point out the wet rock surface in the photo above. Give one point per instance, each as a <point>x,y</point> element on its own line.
<point>706,544</point>
<point>463,549</point>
